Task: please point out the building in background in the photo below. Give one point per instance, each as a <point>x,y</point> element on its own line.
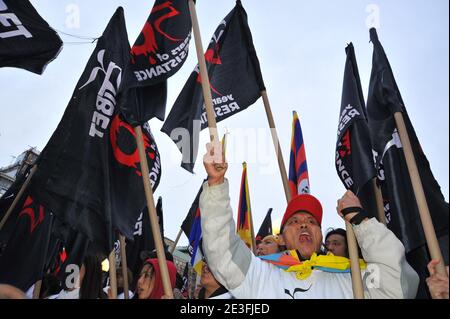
<point>8,174</point>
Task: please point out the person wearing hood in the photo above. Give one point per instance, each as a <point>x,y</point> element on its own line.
<point>149,284</point>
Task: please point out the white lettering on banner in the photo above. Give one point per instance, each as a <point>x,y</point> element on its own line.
<point>395,141</point>
<point>182,46</point>
<point>156,169</point>
<point>216,38</point>
<point>3,6</point>
<point>343,173</point>
<point>387,210</point>
<point>6,19</point>
<point>179,54</point>
<point>223,99</point>
<point>138,227</point>
<point>106,96</point>
<point>222,109</point>
<point>347,114</point>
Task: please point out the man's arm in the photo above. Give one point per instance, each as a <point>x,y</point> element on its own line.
<point>390,275</point>
<point>228,257</point>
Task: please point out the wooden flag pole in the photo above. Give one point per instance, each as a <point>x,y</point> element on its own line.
<point>123,256</point>
<point>276,143</point>
<point>112,274</point>
<point>212,125</point>
<point>37,289</point>
<point>172,249</point>
<point>18,196</point>
<point>425,217</point>
<point>357,284</point>
<point>153,216</point>
<point>379,201</point>
<point>252,230</point>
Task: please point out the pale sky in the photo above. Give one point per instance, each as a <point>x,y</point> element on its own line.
<point>300,45</point>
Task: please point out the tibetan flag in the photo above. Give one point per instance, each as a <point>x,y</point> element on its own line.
<point>244,219</point>
<point>298,170</point>
<point>194,242</point>
<point>192,227</point>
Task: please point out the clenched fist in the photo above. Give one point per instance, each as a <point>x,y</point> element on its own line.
<point>348,200</point>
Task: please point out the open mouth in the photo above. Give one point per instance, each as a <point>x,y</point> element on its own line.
<point>305,237</point>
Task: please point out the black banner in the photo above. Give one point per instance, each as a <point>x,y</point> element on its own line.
<point>142,240</point>
<point>354,158</point>
<point>23,260</point>
<point>235,79</point>
<point>89,173</point>
<point>26,40</point>
<point>400,203</point>
<point>159,52</point>
<point>266,227</point>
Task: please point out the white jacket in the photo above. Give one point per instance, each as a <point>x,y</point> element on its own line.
<point>388,275</point>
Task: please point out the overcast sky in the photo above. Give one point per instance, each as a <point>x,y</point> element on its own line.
<point>300,45</point>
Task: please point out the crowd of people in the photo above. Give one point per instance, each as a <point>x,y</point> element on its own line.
<point>296,263</point>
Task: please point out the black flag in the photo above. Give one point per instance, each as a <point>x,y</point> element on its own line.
<point>400,204</point>
<point>354,158</point>
<point>236,83</point>
<point>266,227</point>
<point>5,202</point>
<point>26,40</point>
<point>89,173</point>
<point>159,52</point>
<point>71,248</point>
<point>23,260</point>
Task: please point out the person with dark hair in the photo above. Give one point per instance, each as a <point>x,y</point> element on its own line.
<point>50,287</point>
<point>149,284</point>
<point>336,242</point>
<point>210,287</point>
<point>303,271</point>
<point>91,278</point>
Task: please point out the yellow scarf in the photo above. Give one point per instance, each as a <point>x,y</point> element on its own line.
<point>303,269</point>
<point>327,262</point>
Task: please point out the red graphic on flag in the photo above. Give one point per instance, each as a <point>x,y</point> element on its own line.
<point>150,45</point>
<point>29,211</point>
<point>128,159</point>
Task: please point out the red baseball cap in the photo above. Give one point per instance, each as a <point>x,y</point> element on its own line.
<point>303,203</point>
